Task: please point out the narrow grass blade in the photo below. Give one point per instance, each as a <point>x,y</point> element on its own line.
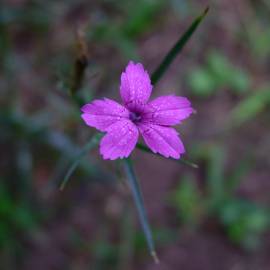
<point>137,195</point>
<point>182,160</point>
<point>90,145</point>
<point>177,48</point>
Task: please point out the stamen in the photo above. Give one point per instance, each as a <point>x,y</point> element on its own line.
<point>134,117</point>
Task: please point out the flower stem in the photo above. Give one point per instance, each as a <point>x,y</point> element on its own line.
<point>137,195</point>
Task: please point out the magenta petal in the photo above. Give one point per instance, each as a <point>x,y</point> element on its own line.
<point>120,140</point>
<point>135,86</point>
<point>167,110</point>
<point>162,140</point>
<point>101,114</point>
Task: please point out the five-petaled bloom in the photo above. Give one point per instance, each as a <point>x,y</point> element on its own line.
<point>153,119</point>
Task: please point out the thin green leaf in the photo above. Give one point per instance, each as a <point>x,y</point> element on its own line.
<point>182,160</point>
<point>90,145</point>
<point>137,195</point>
<point>177,48</point>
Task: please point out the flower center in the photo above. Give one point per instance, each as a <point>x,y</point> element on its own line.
<point>135,117</point>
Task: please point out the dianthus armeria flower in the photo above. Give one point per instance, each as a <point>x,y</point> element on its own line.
<point>152,119</point>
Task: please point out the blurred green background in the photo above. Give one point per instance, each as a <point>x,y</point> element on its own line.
<point>213,217</point>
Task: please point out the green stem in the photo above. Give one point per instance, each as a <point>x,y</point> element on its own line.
<point>137,195</point>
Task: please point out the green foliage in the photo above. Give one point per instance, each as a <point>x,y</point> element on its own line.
<point>259,39</point>
<point>16,217</point>
<point>201,83</point>
<point>215,174</point>
<point>137,18</point>
<point>188,202</point>
<point>163,236</point>
<point>34,16</point>
<point>245,221</point>
<point>141,16</point>
<point>218,73</point>
<point>106,254</point>
<point>251,106</point>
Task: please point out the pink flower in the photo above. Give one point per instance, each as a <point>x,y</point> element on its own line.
<point>153,119</point>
